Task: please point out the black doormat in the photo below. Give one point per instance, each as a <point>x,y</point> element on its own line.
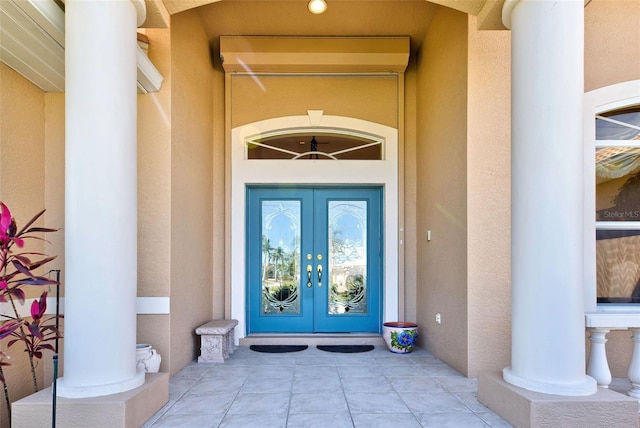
<point>278,349</point>
<point>346,349</point>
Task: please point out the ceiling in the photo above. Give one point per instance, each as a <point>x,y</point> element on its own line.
<point>342,18</point>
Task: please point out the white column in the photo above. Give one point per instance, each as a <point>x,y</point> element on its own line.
<point>100,198</point>
<point>548,349</point>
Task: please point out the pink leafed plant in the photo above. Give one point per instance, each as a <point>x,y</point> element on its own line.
<point>18,272</point>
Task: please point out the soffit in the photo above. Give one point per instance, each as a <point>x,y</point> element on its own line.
<point>32,40</point>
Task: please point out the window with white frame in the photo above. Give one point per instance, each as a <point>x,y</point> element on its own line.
<point>617,205</point>
<point>309,143</point>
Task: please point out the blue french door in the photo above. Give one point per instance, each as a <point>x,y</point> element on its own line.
<point>314,259</point>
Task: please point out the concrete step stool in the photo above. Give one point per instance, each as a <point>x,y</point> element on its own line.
<point>216,340</point>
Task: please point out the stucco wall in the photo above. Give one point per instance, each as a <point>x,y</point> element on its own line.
<point>258,97</point>
<point>54,129</point>
<point>191,185</point>
<point>488,199</point>
<point>22,172</point>
<point>22,144</point>
<point>54,178</point>
<point>442,188</point>
<point>154,197</point>
<point>409,238</point>
<point>612,52</point>
<point>612,42</point>
<point>219,190</point>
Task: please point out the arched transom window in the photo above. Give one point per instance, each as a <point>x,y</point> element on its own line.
<point>314,143</point>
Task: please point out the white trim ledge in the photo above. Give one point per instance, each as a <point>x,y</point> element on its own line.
<point>620,319</point>
<point>144,306</point>
<point>153,305</point>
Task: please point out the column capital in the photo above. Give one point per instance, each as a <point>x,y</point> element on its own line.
<point>141,11</point>
<point>507,9</point>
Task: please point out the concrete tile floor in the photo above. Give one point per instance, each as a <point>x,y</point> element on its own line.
<point>313,388</point>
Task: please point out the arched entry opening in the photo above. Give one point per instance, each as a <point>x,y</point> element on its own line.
<point>302,171</point>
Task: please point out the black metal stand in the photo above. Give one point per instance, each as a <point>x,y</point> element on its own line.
<point>53,389</point>
<point>55,354</point>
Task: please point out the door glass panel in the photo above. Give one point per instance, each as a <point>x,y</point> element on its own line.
<point>347,261</point>
<point>280,257</point>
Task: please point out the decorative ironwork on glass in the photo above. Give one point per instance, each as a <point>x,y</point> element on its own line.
<point>280,257</point>
<point>315,144</point>
<point>347,257</point>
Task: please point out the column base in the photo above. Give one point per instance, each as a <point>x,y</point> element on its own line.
<point>524,408</point>
<point>588,386</point>
<point>67,391</point>
<point>125,409</point>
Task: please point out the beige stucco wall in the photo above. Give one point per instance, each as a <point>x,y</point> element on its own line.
<point>219,190</point>
<point>488,199</point>
<point>154,174</point>
<point>22,145</point>
<point>408,238</point>
<point>221,306</point>
<point>442,188</point>
<point>54,178</point>
<point>154,197</point>
<point>191,226</point>
<point>22,172</point>
<point>258,97</point>
<point>54,203</point>
<point>612,42</point>
<point>610,59</point>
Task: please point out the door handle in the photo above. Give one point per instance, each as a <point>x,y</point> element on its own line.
<point>319,275</point>
<point>309,269</point>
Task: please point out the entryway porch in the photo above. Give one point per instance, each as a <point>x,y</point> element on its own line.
<point>316,388</point>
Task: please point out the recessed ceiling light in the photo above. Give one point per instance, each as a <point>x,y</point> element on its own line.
<point>317,6</point>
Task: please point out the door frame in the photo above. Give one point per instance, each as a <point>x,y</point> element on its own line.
<point>245,172</point>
